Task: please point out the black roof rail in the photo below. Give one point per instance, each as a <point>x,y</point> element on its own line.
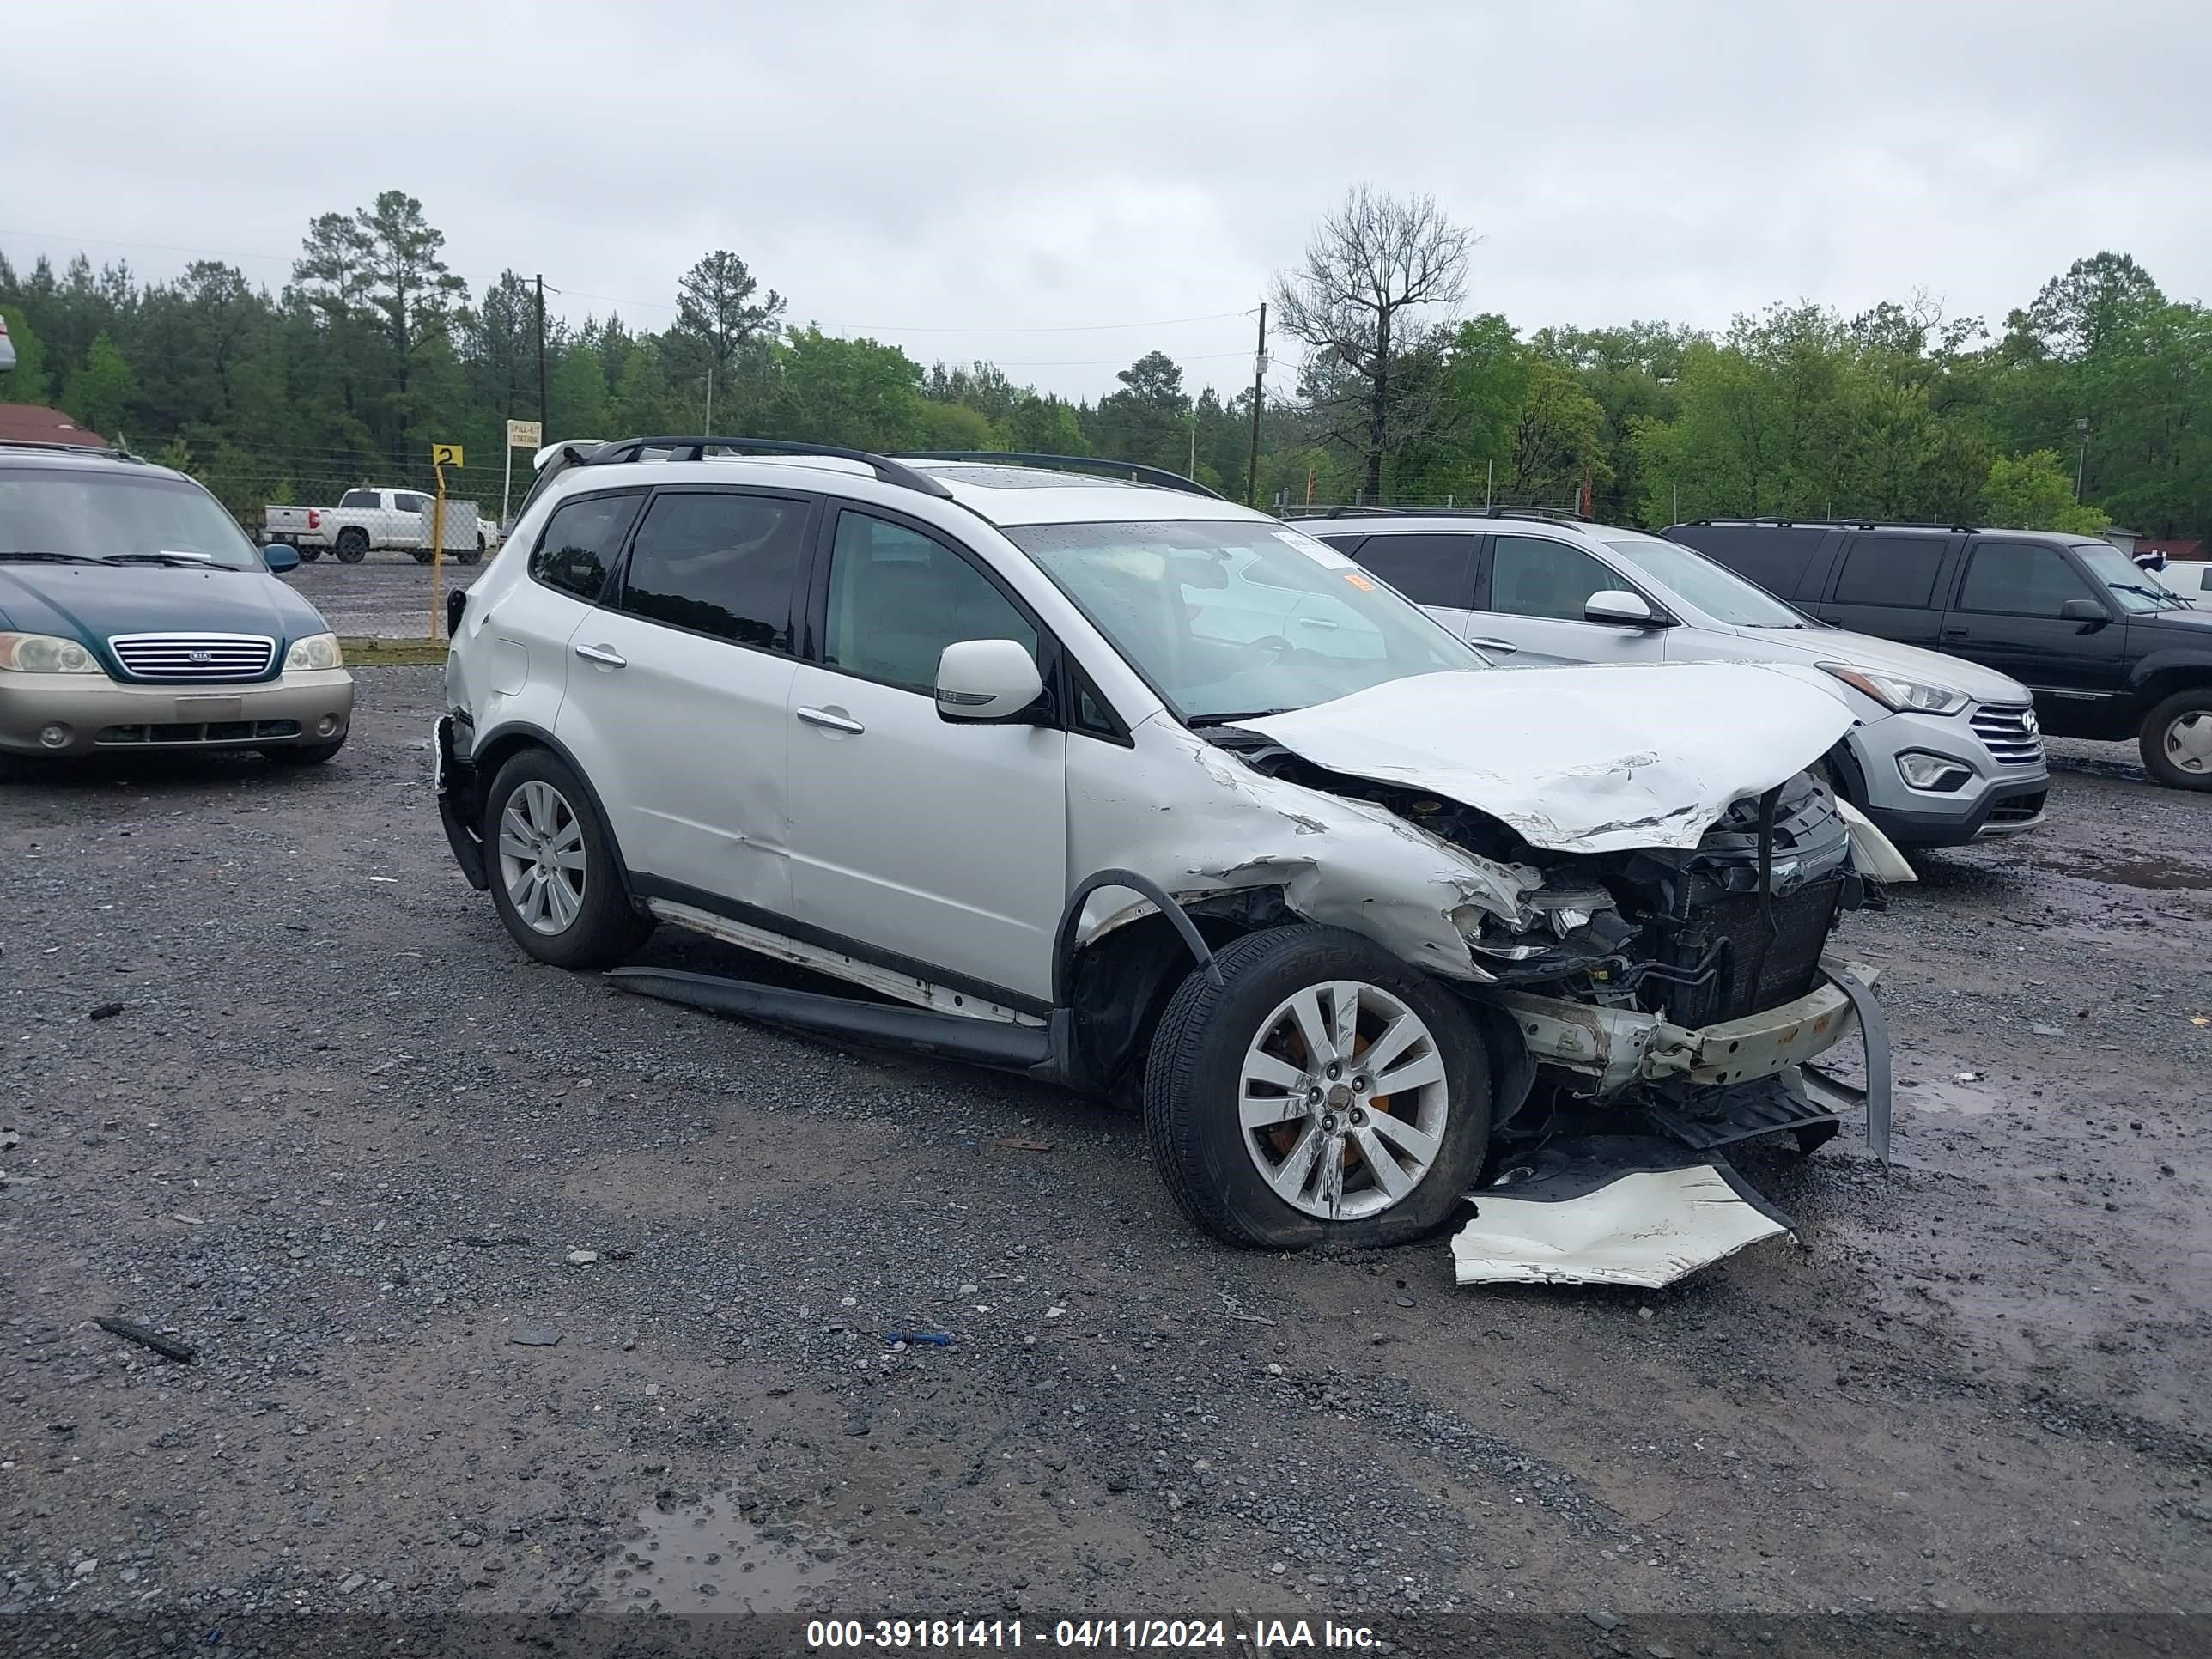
<point>1545,513</point>
<point>62,445</point>
<point>1135,472</point>
<point>695,447</point>
<point>1851,524</point>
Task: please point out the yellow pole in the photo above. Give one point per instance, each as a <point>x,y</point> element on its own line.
<point>438,552</point>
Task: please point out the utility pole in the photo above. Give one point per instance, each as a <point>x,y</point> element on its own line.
<point>1259,398</point>
<point>708,426</point>
<point>542,421</point>
<point>1192,471</point>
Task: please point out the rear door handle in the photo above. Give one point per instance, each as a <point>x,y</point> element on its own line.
<point>1503,647</point>
<point>830,722</point>
<point>1954,633</point>
<point>605,654</point>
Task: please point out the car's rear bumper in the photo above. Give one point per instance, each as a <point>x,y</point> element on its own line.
<point>459,806</point>
<point>66,716</point>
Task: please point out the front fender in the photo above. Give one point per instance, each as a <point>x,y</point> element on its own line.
<point>2179,665</point>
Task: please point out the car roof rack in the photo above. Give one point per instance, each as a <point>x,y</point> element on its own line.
<point>1135,472</point>
<point>694,447</point>
<point>1851,524</point>
<point>1552,515</point>
<point>62,446</point>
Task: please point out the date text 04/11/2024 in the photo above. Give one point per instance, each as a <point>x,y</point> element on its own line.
<point>1083,1634</point>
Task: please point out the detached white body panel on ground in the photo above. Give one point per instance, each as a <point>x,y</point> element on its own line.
<point>1645,1228</point>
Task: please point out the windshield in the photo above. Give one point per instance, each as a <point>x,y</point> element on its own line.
<point>114,516</point>
<point>2135,588</point>
<point>1229,618</point>
<point>1718,591</point>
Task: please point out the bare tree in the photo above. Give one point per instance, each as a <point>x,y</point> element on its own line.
<point>1373,259</point>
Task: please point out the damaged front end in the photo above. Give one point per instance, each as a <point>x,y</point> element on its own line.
<point>1676,995</point>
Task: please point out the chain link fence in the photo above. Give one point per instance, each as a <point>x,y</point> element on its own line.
<point>339,504</point>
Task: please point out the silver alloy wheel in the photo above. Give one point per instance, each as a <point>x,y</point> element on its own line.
<point>1342,1101</point>
<point>2188,742</point>
<point>541,857</point>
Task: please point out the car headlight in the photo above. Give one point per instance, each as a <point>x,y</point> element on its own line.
<point>42,654</point>
<point>316,651</point>
<point>1894,691</point>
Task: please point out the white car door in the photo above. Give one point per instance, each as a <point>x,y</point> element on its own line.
<point>940,842</point>
<point>677,695</point>
<point>518,665</point>
<point>1536,591</point>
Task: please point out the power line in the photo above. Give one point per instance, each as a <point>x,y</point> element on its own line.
<point>917,328</point>
<point>657,305</point>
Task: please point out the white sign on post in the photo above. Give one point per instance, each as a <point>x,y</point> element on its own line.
<point>520,435</point>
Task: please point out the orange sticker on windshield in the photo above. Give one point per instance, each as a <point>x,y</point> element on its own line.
<point>1359,582</point>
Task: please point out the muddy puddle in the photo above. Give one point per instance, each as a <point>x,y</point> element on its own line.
<point>712,1556</point>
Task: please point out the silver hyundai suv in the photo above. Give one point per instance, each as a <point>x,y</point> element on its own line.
<point>1942,751</point>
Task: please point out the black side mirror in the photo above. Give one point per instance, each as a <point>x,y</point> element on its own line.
<point>2082,611</point>
<point>457,603</point>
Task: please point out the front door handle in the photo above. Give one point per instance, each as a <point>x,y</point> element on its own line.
<point>604,654</point>
<point>830,722</point>
<point>1954,633</point>
<point>1503,647</point>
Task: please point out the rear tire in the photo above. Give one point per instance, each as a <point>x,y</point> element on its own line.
<point>556,878</point>
<point>422,554</point>
<point>1309,1172</point>
<point>470,554</point>
<point>2176,741</point>
<point>352,544</point>
<point>302,754</point>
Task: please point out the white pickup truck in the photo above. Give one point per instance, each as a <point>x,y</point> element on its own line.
<point>366,519</point>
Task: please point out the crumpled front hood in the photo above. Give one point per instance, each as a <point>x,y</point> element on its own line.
<point>1584,759</point>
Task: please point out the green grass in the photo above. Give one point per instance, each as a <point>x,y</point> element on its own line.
<point>365,652</point>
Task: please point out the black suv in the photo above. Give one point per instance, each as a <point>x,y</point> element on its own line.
<point>2108,651</point>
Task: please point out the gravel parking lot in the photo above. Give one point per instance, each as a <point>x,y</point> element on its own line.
<point>510,1292</point>
<point>385,596</point>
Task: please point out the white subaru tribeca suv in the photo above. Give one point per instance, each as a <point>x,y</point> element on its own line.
<point>1113,782</point>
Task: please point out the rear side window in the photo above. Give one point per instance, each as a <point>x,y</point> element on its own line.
<point>1427,568</point>
<point>360,498</point>
<point>723,565</point>
<point>580,542</point>
<point>1532,577</point>
<point>2021,579</point>
<point>1897,570</point>
<point>1775,557</point>
<point>897,597</point>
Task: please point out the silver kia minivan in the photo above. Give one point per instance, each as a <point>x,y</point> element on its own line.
<point>1942,752</point>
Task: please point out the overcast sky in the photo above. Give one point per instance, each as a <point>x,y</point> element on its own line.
<point>1020,182</point>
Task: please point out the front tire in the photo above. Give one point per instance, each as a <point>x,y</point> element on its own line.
<point>1272,1125</point>
<point>554,879</point>
<point>2176,740</point>
<point>308,555</point>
